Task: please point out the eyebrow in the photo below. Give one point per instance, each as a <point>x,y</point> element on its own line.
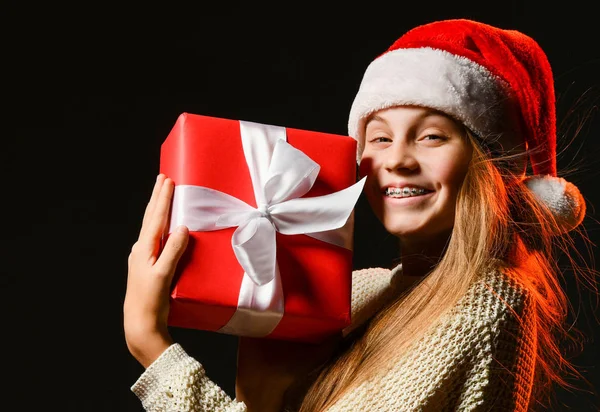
<point>374,118</point>
<point>423,115</point>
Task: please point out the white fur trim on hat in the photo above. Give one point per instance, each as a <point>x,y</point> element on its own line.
<point>437,79</point>
<point>562,197</point>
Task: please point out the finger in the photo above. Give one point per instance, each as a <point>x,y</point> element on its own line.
<point>158,218</point>
<point>151,204</point>
<point>155,191</point>
<point>172,252</point>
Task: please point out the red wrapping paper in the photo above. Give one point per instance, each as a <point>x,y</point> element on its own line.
<point>316,275</point>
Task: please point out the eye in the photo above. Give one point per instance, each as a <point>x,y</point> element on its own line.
<point>433,137</point>
<point>380,139</point>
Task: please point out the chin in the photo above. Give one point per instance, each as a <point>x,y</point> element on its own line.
<point>418,230</point>
<point>403,230</point>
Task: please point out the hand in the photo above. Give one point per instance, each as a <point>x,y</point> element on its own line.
<point>146,306</point>
<point>268,369</point>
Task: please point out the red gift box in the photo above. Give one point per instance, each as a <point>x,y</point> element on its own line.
<point>315,275</point>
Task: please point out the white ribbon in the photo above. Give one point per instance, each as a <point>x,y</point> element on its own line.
<point>281,175</point>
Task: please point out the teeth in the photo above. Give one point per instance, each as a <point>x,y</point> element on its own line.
<point>404,191</point>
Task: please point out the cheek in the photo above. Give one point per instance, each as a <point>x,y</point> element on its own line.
<point>365,168</point>
<point>369,168</point>
<point>450,172</point>
<point>372,192</point>
<point>371,163</point>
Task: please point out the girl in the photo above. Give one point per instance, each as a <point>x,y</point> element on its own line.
<point>456,134</point>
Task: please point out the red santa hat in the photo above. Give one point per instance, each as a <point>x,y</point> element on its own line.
<point>496,82</point>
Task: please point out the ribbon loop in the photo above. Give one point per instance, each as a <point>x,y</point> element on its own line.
<point>291,174</point>
<point>316,214</point>
<point>205,209</point>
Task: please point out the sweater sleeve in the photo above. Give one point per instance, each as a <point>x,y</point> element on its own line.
<point>177,382</point>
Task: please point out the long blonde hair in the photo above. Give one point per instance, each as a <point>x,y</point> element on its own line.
<point>514,217</point>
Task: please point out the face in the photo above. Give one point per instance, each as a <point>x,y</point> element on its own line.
<point>415,160</point>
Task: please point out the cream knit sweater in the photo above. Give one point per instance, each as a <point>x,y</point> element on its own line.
<point>478,357</point>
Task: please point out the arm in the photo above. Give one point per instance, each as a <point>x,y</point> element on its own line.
<point>272,373</point>
<point>176,381</point>
<point>172,379</point>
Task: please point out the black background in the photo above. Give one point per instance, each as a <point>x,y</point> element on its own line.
<point>91,91</point>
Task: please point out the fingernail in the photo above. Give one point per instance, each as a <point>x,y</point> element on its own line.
<point>158,177</point>
<point>182,229</point>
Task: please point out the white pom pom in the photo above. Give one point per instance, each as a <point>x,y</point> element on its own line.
<point>562,198</point>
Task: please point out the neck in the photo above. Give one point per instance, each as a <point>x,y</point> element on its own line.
<point>420,256</point>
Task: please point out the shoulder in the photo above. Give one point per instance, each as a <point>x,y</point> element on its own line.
<point>479,352</point>
<point>494,307</point>
<point>371,289</point>
<point>496,296</point>
<point>499,313</point>
<point>369,282</point>
<point>496,316</point>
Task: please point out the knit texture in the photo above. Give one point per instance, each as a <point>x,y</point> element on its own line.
<point>478,356</point>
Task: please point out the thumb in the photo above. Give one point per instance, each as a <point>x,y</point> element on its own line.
<point>173,250</point>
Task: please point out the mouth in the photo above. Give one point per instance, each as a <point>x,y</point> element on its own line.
<point>401,192</point>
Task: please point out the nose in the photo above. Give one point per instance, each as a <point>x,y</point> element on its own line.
<point>400,157</point>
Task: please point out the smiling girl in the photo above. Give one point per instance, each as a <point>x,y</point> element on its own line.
<point>456,134</point>
<point>415,160</point>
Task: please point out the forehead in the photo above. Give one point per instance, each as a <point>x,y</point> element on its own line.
<point>411,114</point>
